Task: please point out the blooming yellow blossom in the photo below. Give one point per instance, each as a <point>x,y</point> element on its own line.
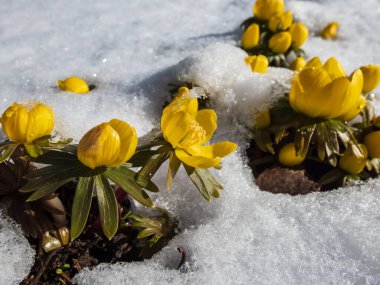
<point>371,74</point>
<point>299,33</point>
<point>289,157</point>
<point>187,129</point>
<point>251,37</point>
<point>352,163</point>
<point>330,31</point>
<point>281,42</point>
<point>324,91</point>
<point>280,22</point>
<point>258,63</point>
<point>108,144</point>
<point>372,142</point>
<point>24,123</point>
<point>264,9</point>
<point>298,64</point>
<point>73,84</point>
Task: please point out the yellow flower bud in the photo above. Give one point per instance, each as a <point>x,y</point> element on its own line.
<point>288,156</point>
<point>281,42</point>
<point>376,122</point>
<point>351,163</point>
<point>298,64</point>
<point>330,31</point>
<point>251,37</point>
<point>264,9</point>
<point>263,120</point>
<point>372,142</point>
<point>73,84</point>
<point>280,22</point>
<point>24,123</point>
<point>371,74</point>
<point>299,33</point>
<point>258,63</point>
<point>108,144</point>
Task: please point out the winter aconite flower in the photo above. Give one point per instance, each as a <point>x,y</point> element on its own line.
<point>298,64</point>
<point>372,142</point>
<point>330,31</point>
<point>324,91</point>
<point>280,22</point>
<point>24,123</point>
<point>251,37</point>
<point>108,144</point>
<point>371,74</point>
<point>289,157</point>
<point>281,42</point>
<point>352,163</point>
<point>187,129</point>
<point>299,33</point>
<point>74,84</point>
<point>264,9</point>
<point>258,63</point>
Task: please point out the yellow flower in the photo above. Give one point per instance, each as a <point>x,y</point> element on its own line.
<point>351,163</point>
<point>298,64</point>
<point>289,157</point>
<point>330,31</point>
<point>264,9</point>
<point>187,129</point>
<point>372,142</point>
<point>281,42</point>
<point>24,123</point>
<point>280,22</point>
<point>324,91</point>
<point>371,74</point>
<point>73,84</point>
<point>258,63</point>
<point>263,120</point>
<point>299,33</point>
<point>251,37</point>
<point>108,144</point>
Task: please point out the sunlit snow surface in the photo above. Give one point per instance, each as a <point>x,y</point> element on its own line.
<point>131,50</point>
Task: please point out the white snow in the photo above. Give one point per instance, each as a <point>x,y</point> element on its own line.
<point>131,50</point>
<point>17,256</point>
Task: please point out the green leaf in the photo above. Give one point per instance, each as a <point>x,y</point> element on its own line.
<point>155,161</point>
<point>57,157</point>
<point>46,189</point>
<point>140,158</point>
<point>331,176</point>
<point>303,138</point>
<point>141,180</point>
<point>174,164</point>
<point>129,186</point>
<point>9,150</point>
<point>108,210</point>
<point>81,205</point>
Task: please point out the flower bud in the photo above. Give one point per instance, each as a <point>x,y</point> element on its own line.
<point>73,84</point>
<point>259,63</point>
<point>351,163</point>
<point>281,42</point>
<point>371,74</point>
<point>376,122</point>
<point>251,37</point>
<point>264,9</point>
<point>330,31</point>
<point>372,143</point>
<point>24,123</point>
<point>108,144</point>
<point>299,33</point>
<point>263,120</point>
<point>49,243</point>
<point>298,64</point>
<point>280,22</point>
<point>289,157</point>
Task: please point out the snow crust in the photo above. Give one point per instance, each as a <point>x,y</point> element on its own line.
<point>131,50</point>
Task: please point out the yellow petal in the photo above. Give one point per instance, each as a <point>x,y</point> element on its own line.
<point>315,62</point>
<point>299,33</point>
<point>264,9</point>
<point>371,75</point>
<point>372,143</point>
<point>74,84</point>
<point>334,68</point>
<point>175,127</point>
<point>298,64</point>
<point>353,92</point>
<point>100,146</point>
<point>207,119</point>
<point>41,122</point>
<point>280,22</point>
<point>280,42</point>
<point>251,37</point>
<point>196,161</point>
<point>128,140</point>
<point>219,149</point>
<point>288,157</point>
<point>330,31</point>
<point>296,92</point>
<point>355,109</point>
<point>312,79</point>
<point>259,63</point>
<point>15,123</point>
<point>333,98</point>
<point>351,163</point>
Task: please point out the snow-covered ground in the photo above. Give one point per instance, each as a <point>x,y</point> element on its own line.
<point>131,50</point>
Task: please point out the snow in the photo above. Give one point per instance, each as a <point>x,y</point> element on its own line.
<point>131,50</point>
<point>17,256</point>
